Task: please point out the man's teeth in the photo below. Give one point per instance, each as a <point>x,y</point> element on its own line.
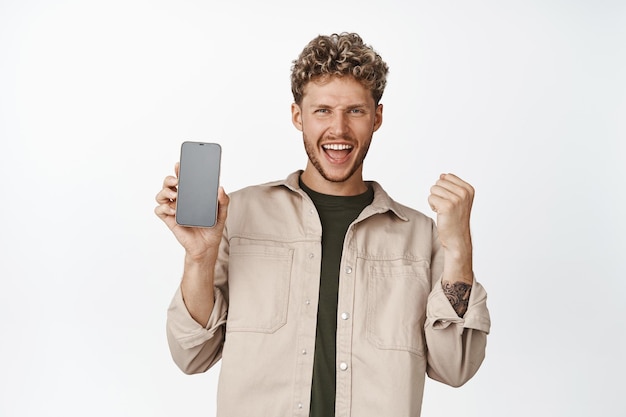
<point>337,146</point>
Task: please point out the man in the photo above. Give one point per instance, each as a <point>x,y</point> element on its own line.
<point>320,294</point>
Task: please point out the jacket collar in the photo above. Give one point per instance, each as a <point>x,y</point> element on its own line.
<point>382,203</point>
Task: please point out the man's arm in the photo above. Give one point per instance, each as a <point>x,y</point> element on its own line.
<point>456,339</point>
<point>201,249</point>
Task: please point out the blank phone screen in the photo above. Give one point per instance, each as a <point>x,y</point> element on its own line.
<point>198,182</point>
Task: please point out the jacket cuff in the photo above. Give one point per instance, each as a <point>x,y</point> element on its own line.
<point>188,332</point>
<point>440,313</point>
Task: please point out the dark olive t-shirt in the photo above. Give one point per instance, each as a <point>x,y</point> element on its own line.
<point>336,214</point>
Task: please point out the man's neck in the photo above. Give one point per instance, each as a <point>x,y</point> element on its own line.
<point>352,186</point>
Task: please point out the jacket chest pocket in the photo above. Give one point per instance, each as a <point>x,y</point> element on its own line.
<point>258,288</point>
<point>396,309</point>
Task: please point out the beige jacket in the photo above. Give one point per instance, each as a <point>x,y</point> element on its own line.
<point>394,323</point>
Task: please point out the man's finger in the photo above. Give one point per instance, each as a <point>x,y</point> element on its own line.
<point>170,182</point>
<point>223,200</point>
<point>165,210</point>
<point>455,184</point>
<point>166,195</point>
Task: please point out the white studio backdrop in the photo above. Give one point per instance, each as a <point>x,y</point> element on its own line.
<point>524,99</point>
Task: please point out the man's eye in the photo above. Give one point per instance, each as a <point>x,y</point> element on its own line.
<point>356,111</point>
<point>321,111</point>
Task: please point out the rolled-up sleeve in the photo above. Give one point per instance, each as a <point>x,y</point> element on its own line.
<point>195,348</point>
<point>456,345</point>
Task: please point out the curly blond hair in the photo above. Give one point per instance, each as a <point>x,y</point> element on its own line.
<point>342,54</point>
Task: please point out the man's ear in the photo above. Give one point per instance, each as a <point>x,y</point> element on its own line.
<point>296,116</point>
<point>378,117</point>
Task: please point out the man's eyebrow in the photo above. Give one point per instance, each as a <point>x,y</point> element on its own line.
<point>354,106</point>
<point>349,106</point>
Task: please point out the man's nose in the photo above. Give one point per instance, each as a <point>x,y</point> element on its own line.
<point>339,125</point>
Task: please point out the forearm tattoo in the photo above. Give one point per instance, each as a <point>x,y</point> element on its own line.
<point>458,294</point>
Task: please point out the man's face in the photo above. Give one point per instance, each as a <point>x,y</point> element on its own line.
<point>337,118</point>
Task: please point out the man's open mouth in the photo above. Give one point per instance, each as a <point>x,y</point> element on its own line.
<point>337,152</point>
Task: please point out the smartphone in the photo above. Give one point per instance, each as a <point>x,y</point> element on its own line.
<point>198,182</point>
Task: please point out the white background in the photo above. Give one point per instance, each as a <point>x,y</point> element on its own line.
<point>524,99</point>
